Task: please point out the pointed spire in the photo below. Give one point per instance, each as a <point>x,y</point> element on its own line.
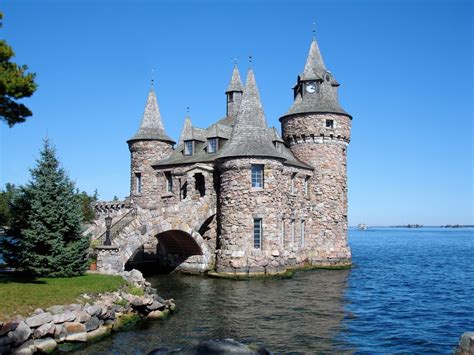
<point>151,127</point>
<point>314,67</point>
<point>187,130</point>
<point>250,135</point>
<point>235,83</point>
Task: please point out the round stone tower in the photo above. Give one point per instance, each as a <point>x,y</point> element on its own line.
<point>318,130</point>
<point>149,145</point>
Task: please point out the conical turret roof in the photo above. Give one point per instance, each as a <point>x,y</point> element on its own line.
<point>151,127</point>
<point>235,82</point>
<point>325,100</point>
<point>186,132</point>
<point>250,134</point>
<point>314,68</point>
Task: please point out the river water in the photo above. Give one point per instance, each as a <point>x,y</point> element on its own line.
<point>411,292</point>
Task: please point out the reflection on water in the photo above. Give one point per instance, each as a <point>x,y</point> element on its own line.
<point>301,314</point>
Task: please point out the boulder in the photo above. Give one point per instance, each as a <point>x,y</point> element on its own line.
<point>93,324</point>
<point>5,340</point>
<point>39,319</point>
<point>76,332</point>
<point>26,348</point>
<point>43,330</point>
<point>6,327</point>
<point>155,306</point>
<point>82,316</point>
<point>98,333</point>
<point>20,334</point>
<point>140,301</point>
<point>93,310</point>
<point>156,315</point>
<point>55,309</point>
<point>73,307</point>
<point>60,333</point>
<point>66,316</point>
<point>46,345</point>
<point>466,344</point>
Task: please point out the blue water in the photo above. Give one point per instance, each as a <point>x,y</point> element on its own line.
<point>411,292</point>
<point>413,289</point>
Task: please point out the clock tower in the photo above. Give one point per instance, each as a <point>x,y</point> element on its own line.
<point>317,131</point>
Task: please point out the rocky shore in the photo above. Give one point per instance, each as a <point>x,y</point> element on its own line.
<point>46,330</point>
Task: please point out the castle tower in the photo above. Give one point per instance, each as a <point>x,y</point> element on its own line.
<point>234,93</point>
<point>250,169</point>
<point>318,130</point>
<point>149,145</point>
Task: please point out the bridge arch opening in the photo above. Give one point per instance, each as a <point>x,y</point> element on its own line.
<point>168,251</point>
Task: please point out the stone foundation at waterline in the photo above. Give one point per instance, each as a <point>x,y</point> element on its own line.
<point>45,330</point>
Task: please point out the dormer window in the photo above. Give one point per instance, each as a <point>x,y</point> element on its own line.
<point>188,147</point>
<point>212,145</point>
<point>230,97</point>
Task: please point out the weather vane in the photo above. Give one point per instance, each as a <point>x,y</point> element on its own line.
<point>152,77</point>
<point>314,29</point>
<point>187,110</point>
<point>250,60</point>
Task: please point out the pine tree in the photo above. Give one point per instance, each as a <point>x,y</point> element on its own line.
<point>51,242</point>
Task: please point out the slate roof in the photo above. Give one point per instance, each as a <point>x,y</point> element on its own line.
<point>324,101</point>
<point>151,127</point>
<point>245,136</point>
<point>235,83</point>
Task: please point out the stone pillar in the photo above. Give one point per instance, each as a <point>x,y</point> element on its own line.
<point>109,260</point>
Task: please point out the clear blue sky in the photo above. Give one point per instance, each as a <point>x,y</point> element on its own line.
<point>405,69</point>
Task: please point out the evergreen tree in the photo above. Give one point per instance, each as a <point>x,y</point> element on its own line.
<point>51,243</point>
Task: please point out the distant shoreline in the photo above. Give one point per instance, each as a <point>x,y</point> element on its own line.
<point>422,226</point>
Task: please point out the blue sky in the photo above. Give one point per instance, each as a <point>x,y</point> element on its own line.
<point>405,69</point>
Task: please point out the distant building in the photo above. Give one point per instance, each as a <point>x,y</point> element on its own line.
<point>236,197</point>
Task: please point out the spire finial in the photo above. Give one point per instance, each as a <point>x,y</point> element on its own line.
<point>250,61</point>
<point>235,60</point>
<point>152,78</point>
<point>314,30</point>
<point>187,110</point>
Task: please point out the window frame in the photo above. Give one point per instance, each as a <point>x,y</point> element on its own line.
<point>169,181</point>
<point>209,145</point>
<point>138,183</point>
<point>257,179</point>
<point>257,237</point>
<point>188,150</point>
<point>302,232</point>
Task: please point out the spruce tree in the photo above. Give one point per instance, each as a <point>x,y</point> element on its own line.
<point>51,243</point>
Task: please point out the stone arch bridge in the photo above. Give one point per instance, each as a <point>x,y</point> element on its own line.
<point>178,236</point>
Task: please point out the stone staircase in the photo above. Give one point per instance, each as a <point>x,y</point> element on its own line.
<point>118,226</point>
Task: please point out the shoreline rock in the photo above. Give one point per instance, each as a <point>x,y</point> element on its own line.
<point>43,331</point>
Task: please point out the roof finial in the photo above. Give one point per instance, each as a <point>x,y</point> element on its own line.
<point>152,78</point>
<point>250,61</point>
<point>187,110</point>
<point>314,30</point>
<point>235,60</point>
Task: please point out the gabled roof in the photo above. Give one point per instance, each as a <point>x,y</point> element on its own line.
<point>235,82</point>
<point>151,127</point>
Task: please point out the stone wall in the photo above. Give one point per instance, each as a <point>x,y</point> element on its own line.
<point>325,149</point>
<point>276,204</point>
<point>143,155</point>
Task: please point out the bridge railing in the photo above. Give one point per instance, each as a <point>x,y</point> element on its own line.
<point>118,226</point>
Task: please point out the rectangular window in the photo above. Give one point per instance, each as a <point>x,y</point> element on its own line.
<point>257,233</point>
<point>257,176</point>
<point>212,145</point>
<point>329,123</point>
<point>188,147</point>
<point>282,233</point>
<point>306,185</point>
<point>138,183</point>
<point>293,232</point>
<point>293,177</point>
<point>169,181</point>
<point>231,96</point>
<point>302,233</point>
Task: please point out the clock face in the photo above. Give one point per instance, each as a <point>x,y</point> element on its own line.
<point>311,87</point>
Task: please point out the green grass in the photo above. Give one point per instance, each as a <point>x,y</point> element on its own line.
<point>21,295</point>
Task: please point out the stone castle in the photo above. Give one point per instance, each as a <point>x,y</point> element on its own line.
<point>238,198</point>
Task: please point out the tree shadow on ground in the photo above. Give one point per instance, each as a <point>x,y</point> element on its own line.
<point>18,277</point>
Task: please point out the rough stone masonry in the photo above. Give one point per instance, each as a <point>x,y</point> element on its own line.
<point>238,198</point>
